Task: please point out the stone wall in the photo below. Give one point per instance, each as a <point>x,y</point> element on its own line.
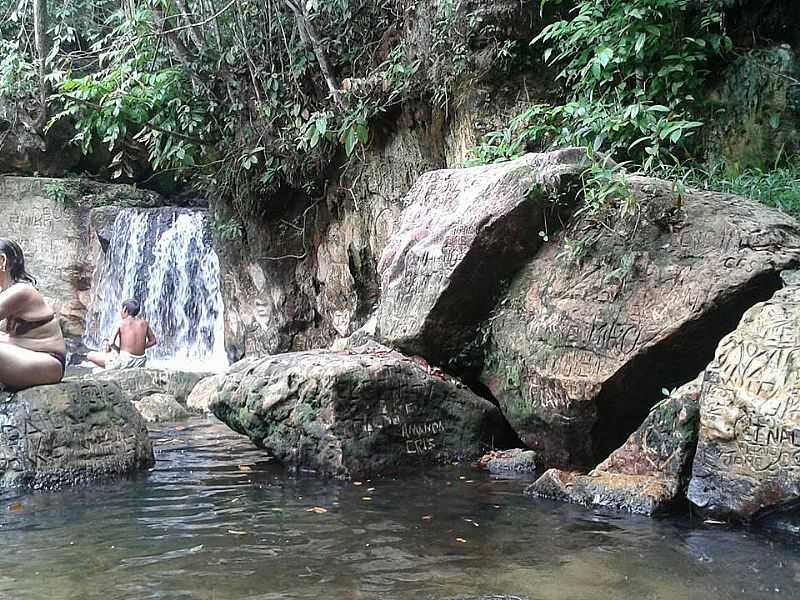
<point>56,241</point>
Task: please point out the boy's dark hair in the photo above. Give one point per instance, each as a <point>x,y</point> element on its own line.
<point>131,306</point>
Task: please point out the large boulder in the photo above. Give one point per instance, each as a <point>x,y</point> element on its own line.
<point>461,233</point>
<point>648,474</point>
<point>356,413</point>
<point>748,453</point>
<point>68,433</point>
<point>581,347</point>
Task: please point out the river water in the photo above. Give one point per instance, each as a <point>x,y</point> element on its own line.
<point>214,520</point>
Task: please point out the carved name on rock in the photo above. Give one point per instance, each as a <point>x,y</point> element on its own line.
<point>578,351</point>
<point>648,473</point>
<point>68,433</point>
<point>355,413</point>
<point>748,453</point>
<point>461,233</point>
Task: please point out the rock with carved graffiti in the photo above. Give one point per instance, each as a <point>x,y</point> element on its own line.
<point>582,345</point>
<point>648,474</point>
<point>461,233</point>
<point>68,433</point>
<point>748,454</point>
<point>359,412</point>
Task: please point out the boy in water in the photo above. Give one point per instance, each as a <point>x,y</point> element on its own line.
<point>134,335</point>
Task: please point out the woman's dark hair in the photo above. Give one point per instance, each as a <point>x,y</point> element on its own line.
<point>15,262</point>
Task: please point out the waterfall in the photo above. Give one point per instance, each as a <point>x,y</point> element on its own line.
<point>163,258</point>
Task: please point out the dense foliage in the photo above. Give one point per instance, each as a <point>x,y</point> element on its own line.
<point>633,73</point>
<point>244,97</point>
<point>635,80</point>
<point>249,98</point>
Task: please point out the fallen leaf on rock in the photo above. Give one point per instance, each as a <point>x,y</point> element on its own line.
<point>14,506</point>
<point>245,468</point>
<point>237,532</point>
<point>317,509</point>
<point>180,428</point>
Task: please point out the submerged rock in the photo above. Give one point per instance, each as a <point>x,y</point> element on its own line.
<point>158,408</point>
<point>580,349</point>
<point>748,453</point>
<point>363,412</point>
<point>461,233</point>
<point>68,433</point>
<point>516,460</point>
<point>648,474</point>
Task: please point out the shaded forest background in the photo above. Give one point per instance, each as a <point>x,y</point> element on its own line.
<point>251,101</point>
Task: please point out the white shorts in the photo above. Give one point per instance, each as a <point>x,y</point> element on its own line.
<point>125,360</point>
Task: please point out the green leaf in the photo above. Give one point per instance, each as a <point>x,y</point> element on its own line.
<point>640,40</point>
<point>362,133</point>
<point>350,141</point>
<point>604,56</point>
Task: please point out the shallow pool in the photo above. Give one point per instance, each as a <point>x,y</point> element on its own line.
<point>215,520</point>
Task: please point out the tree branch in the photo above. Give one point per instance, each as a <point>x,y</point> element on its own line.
<point>310,37</point>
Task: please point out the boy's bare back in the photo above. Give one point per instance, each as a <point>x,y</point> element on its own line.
<point>135,336</point>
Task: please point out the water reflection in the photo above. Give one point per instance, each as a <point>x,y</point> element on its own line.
<point>216,520</point>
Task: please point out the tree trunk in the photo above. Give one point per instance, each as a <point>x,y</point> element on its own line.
<point>42,49</point>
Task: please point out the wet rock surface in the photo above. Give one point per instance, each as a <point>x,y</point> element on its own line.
<point>578,351</point>
<point>461,233</point>
<point>69,433</point>
<point>516,460</point>
<point>363,412</point>
<point>159,408</point>
<point>200,397</point>
<point>139,383</point>
<point>648,474</point>
<point>748,453</point>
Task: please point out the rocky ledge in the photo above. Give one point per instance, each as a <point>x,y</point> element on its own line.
<point>69,433</point>
<point>648,474</point>
<point>158,394</point>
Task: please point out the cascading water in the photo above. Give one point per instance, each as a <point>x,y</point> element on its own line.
<point>164,259</point>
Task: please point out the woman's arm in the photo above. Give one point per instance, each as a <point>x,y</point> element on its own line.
<point>15,299</point>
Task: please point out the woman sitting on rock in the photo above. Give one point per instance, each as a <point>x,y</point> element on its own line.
<point>32,350</point>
